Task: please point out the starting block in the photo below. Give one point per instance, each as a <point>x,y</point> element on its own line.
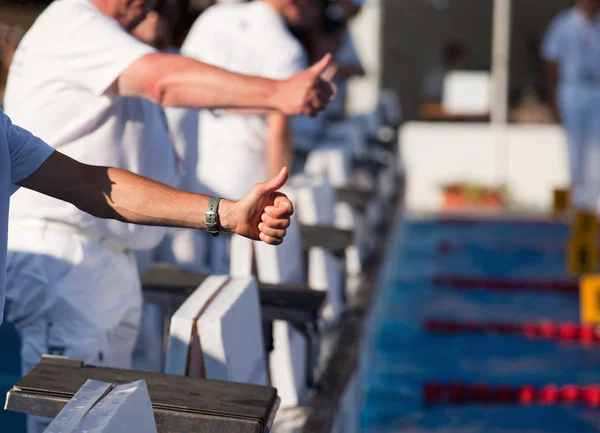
<point>102,407</point>
<point>315,205</point>
<point>357,198</point>
<point>294,304</point>
<point>582,248</point>
<point>293,343</point>
<point>217,333</point>
<point>561,200</point>
<point>180,404</point>
<point>589,299</point>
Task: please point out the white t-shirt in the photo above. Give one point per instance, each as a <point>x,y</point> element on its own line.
<point>229,154</point>
<point>346,55</point>
<point>56,85</point>
<point>574,43</point>
<point>20,155</point>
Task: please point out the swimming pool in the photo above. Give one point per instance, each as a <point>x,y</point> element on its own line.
<point>401,356</point>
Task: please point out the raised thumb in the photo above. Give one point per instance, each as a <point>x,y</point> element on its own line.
<point>320,67</point>
<point>276,182</point>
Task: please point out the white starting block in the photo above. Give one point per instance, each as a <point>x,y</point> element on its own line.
<point>346,219</point>
<point>315,205</point>
<point>335,163</point>
<point>347,135</point>
<point>276,265</point>
<point>100,407</point>
<point>217,333</point>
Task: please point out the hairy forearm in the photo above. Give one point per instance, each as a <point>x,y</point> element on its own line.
<point>121,195</point>
<point>135,199</point>
<point>279,143</point>
<point>184,82</point>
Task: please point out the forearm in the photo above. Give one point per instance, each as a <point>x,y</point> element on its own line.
<point>188,83</point>
<point>135,199</point>
<point>121,195</point>
<point>279,143</point>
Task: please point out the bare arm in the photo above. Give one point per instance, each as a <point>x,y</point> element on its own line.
<point>551,73</point>
<point>118,194</point>
<point>279,143</point>
<point>177,81</point>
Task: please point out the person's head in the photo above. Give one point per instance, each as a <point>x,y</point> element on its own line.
<point>299,14</point>
<point>455,54</point>
<point>129,13</point>
<point>152,30</point>
<point>589,7</point>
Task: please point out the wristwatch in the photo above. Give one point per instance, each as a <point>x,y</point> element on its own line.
<point>211,216</point>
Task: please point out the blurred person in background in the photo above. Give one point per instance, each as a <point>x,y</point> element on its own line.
<point>252,38</point>
<point>334,36</point>
<point>344,10</point>
<point>153,30</point>
<point>571,51</point>
<point>82,83</point>
<point>454,56</point>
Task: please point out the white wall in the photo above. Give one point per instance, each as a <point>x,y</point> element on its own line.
<point>366,34</point>
<point>531,160</point>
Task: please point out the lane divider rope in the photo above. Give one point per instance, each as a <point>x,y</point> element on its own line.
<point>542,330</point>
<point>566,285</point>
<point>435,393</point>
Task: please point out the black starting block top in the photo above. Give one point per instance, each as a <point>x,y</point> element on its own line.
<point>181,404</point>
<point>358,198</point>
<point>290,302</point>
<point>331,238</point>
<point>368,164</point>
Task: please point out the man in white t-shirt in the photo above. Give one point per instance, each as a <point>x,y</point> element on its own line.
<point>251,38</point>
<point>83,84</point>
<point>111,193</point>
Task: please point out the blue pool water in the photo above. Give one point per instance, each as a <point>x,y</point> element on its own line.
<point>400,357</point>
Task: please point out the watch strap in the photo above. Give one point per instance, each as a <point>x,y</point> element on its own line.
<point>212,216</point>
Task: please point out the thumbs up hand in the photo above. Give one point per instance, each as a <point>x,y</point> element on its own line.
<point>308,92</point>
<point>262,214</point>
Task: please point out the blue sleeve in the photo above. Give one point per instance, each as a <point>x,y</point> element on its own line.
<point>552,46</point>
<point>27,152</point>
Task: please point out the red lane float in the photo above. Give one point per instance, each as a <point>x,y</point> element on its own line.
<point>446,247</point>
<point>435,393</point>
<point>542,330</point>
<point>566,285</point>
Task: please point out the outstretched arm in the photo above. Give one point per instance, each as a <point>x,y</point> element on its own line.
<point>118,194</point>
<point>177,81</point>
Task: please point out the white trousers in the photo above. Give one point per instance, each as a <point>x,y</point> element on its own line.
<point>72,296</point>
<point>580,113</point>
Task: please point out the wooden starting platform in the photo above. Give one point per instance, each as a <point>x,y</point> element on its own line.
<point>181,404</point>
